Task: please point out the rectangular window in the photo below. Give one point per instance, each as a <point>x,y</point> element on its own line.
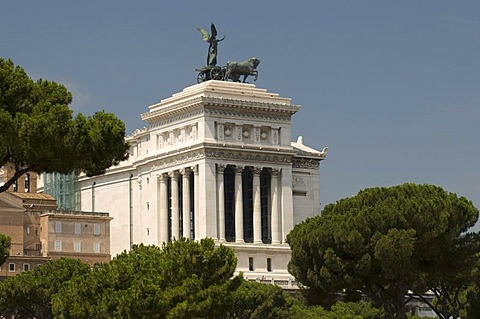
<point>58,227</point>
<point>78,228</point>
<point>26,267</point>
<point>58,245</point>
<point>269,264</point>
<point>96,229</point>
<point>11,267</point>
<point>250,263</point>
<point>78,246</point>
<point>96,247</point>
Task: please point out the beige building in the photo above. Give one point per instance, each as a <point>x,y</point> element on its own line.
<point>39,232</point>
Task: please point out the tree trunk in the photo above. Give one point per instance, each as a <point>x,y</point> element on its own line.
<point>400,309</point>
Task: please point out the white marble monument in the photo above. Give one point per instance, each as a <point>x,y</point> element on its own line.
<point>215,160</point>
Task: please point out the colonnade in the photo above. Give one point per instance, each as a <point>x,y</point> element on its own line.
<point>246,197</point>
<point>170,199</point>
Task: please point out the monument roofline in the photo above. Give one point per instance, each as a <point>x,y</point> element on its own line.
<point>220,94</point>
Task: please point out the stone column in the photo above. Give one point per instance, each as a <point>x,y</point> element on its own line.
<point>221,201</point>
<point>163,210</point>
<point>186,201</point>
<point>275,210</point>
<point>238,205</point>
<point>257,207</point>
<point>175,208</point>
<point>194,169</point>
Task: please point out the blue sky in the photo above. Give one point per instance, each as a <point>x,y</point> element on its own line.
<point>391,87</point>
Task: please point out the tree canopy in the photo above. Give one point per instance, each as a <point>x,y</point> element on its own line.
<point>183,279</point>
<point>384,242</point>
<point>40,134</point>
<point>29,294</point>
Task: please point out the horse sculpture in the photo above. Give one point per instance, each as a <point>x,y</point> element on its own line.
<point>245,68</point>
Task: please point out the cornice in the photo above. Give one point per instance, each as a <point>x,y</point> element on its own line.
<point>220,107</point>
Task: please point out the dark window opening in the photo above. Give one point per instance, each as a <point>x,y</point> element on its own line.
<point>180,205</point>
<point>169,197</point>
<point>247,195</point>
<point>264,198</point>
<point>269,264</point>
<point>192,205</point>
<point>250,263</point>
<point>229,189</point>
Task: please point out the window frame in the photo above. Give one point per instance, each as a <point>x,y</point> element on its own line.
<point>58,245</point>
<point>96,229</point>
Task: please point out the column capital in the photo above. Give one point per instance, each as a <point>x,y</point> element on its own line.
<point>239,169</point>
<point>173,174</point>
<point>194,169</point>
<point>275,171</point>
<point>257,170</point>
<point>184,171</point>
<point>162,177</point>
<point>221,168</point>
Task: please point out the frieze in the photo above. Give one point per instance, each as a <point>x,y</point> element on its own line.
<point>249,115</point>
<point>306,163</point>
<point>170,161</point>
<point>248,157</point>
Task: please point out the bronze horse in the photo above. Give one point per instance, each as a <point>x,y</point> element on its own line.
<point>245,68</point>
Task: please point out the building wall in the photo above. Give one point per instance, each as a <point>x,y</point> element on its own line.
<point>11,224</point>
<point>81,235</point>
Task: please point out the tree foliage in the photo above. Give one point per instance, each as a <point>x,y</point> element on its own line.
<point>183,279</point>
<point>40,134</point>
<point>384,241</point>
<point>29,294</point>
<point>4,248</point>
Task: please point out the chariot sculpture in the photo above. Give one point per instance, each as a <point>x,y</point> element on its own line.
<point>232,71</point>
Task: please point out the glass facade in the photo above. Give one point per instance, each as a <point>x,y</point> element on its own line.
<point>61,187</point>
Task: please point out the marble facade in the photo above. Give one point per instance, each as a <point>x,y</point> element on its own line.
<point>215,160</point>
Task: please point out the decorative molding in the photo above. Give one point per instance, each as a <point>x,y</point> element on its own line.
<point>252,115</point>
<point>306,163</point>
<point>248,157</point>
